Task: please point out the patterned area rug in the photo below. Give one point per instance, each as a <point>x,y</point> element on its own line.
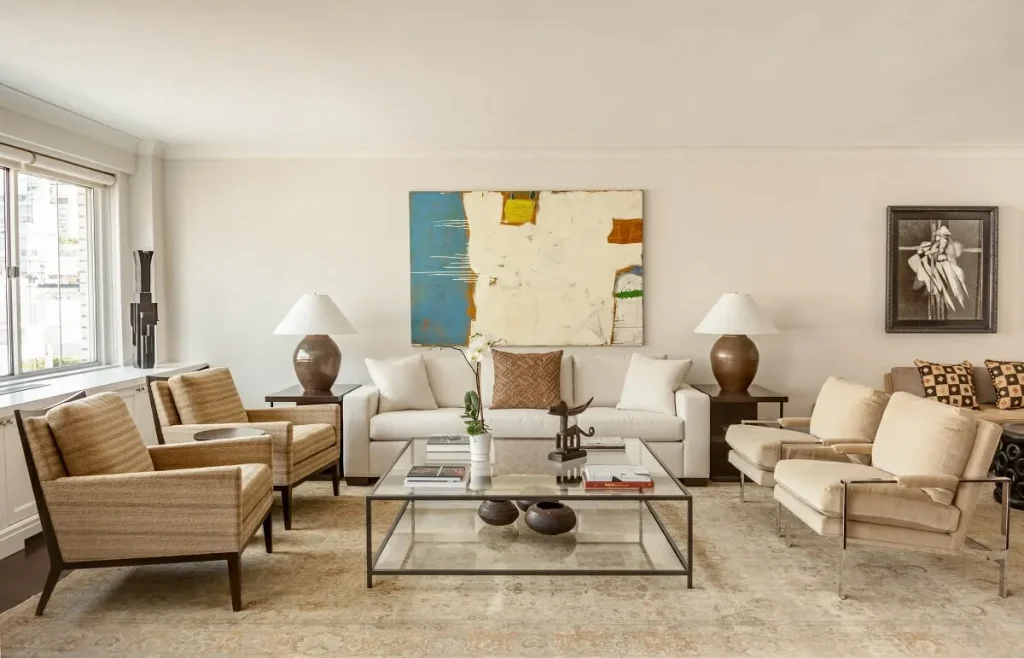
<point>752,596</point>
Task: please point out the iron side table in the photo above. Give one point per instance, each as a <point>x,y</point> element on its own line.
<point>298,396</point>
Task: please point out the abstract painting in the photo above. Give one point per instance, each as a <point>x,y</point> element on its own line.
<point>552,268</point>
<point>942,270</point>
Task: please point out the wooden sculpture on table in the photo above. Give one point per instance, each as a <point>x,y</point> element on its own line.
<point>567,441</point>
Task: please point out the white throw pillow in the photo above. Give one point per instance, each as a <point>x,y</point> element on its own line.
<point>403,383</point>
<point>651,384</point>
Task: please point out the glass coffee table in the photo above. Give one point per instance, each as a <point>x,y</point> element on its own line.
<point>437,531</point>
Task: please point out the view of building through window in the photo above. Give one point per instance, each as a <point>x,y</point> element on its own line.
<point>55,305</point>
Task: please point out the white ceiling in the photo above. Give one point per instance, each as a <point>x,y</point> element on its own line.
<point>356,74</point>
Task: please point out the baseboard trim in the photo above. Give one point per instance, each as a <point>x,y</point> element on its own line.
<point>12,538</point>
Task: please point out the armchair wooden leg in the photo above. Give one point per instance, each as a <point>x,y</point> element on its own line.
<point>51,582</point>
<point>286,506</point>
<point>268,533</point>
<point>336,478</point>
<point>235,576</point>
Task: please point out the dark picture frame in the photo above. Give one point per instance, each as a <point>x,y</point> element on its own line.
<point>942,266</point>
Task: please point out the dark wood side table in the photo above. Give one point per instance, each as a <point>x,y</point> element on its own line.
<point>296,395</point>
<point>731,409</point>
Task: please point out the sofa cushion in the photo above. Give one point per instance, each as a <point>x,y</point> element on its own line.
<point>97,436</point>
<point>601,377</point>
<point>993,414</point>
<point>528,380</point>
<point>762,446</point>
<point>504,423</point>
<point>522,424</point>
<point>651,384</point>
<point>449,376</point>
<point>609,421</point>
<point>487,380</point>
<point>918,436</point>
<point>847,410</point>
<point>307,440</point>
<point>207,396</point>
<point>949,383</point>
<point>1007,379</point>
<point>402,382</point>
<point>818,484</point>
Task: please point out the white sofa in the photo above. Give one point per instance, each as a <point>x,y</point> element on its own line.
<point>371,440</point>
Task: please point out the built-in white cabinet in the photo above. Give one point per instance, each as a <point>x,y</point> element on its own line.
<point>18,515</point>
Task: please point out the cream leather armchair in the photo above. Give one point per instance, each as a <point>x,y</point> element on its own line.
<point>305,439</point>
<point>844,412</point>
<point>920,490</point>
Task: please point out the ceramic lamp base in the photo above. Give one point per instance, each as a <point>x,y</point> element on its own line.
<point>734,362</point>
<point>317,363</point>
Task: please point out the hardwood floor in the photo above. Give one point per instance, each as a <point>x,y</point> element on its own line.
<point>23,573</point>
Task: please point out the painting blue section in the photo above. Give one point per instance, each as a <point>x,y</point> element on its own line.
<point>439,258</point>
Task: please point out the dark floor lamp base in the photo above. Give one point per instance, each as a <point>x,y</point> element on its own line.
<point>317,363</point>
<point>734,362</point>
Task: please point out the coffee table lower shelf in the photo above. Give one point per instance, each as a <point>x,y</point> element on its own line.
<point>434,535</point>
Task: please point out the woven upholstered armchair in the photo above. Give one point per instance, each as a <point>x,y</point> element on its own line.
<point>920,490</point>
<point>105,500</point>
<point>305,439</point>
<point>844,412</point>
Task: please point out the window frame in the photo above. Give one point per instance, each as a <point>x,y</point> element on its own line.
<point>98,231</point>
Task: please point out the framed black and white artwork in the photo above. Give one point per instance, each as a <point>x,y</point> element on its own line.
<point>942,268</point>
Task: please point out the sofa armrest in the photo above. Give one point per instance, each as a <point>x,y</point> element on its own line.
<point>149,514</point>
<point>199,454</point>
<point>694,407</point>
<point>360,406</point>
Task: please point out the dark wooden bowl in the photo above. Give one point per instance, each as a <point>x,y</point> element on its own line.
<point>498,512</point>
<point>550,518</point>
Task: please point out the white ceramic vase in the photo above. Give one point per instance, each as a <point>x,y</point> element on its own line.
<point>480,447</point>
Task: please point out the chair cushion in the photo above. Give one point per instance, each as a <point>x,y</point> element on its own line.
<point>818,484</point>
<point>257,483</point>
<point>402,382</point>
<point>949,383</point>
<point>1007,379</point>
<point>762,445</point>
<point>918,436</point>
<point>609,421</point>
<point>529,380</point>
<point>206,397</point>
<point>97,436</point>
<point>449,376</point>
<point>307,440</point>
<point>847,410</point>
<point>601,377</point>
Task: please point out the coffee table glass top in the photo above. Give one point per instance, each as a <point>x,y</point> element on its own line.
<point>520,469</point>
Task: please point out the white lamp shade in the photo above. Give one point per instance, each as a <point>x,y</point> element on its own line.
<point>315,315</point>
<point>736,313</point>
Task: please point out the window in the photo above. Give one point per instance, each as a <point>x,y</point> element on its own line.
<point>50,254</point>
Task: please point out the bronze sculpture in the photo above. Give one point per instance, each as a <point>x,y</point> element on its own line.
<point>567,441</point>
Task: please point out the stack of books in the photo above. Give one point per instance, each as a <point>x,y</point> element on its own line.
<point>450,475</point>
<point>448,447</point>
<point>616,476</point>
<point>602,443</point>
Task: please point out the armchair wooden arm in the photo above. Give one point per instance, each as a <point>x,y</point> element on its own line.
<point>225,452</point>
<point>308,414</point>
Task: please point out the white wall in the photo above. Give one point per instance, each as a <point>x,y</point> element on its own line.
<point>803,231</point>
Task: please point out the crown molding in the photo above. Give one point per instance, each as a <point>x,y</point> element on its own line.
<point>270,151</point>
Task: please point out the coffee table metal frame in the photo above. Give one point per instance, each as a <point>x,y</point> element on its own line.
<point>626,495</point>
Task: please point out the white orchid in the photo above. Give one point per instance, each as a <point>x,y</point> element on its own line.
<point>476,351</point>
<point>479,347</point>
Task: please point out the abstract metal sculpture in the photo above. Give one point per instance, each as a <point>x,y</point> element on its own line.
<point>567,441</point>
<point>143,312</point>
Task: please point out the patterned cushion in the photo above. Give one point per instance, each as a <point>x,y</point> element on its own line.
<point>97,436</point>
<point>1008,380</point>
<point>526,381</point>
<point>207,396</point>
<point>948,383</point>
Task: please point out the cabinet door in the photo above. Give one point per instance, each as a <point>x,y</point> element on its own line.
<point>20,503</point>
<point>144,416</point>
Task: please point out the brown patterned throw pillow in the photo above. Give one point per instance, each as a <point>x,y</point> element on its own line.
<point>948,383</point>
<point>1008,380</point>
<point>526,381</point>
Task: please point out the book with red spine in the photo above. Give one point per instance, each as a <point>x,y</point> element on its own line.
<point>618,485</point>
<point>618,476</point>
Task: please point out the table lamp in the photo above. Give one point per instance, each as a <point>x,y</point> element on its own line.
<point>317,357</point>
<point>734,357</point>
